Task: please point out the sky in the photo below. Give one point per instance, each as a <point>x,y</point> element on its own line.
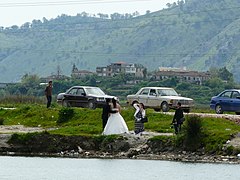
<point>18,12</point>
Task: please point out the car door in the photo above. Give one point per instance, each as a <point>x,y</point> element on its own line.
<point>70,97</point>
<point>152,100</point>
<point>143,96</point>
<point>235,101</point>
<point>225,100</point>
<point>81,98</point>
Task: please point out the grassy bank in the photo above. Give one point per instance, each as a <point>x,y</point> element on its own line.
<point>85,122</point>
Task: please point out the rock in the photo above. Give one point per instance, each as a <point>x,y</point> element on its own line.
<point>80,150</point>
<point>238,156</point>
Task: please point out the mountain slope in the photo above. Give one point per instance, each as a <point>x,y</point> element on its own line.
<point>195,34</point>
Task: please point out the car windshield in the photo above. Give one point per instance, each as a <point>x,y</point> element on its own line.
<point>167,92</point>
<point>95,91</point>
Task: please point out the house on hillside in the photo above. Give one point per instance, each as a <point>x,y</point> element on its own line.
<point>137,70</point>
<point>181,74</point>
<point>77,74</point>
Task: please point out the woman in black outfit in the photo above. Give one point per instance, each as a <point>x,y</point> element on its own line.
<point>139,114</point>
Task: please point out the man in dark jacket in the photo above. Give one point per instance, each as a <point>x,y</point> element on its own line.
<point>48,93</point>
<point>178,118</point>
<point>106,112</point>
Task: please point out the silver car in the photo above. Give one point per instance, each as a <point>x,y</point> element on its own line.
<point>160,98</point>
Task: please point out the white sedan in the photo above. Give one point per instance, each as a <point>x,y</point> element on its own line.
<point>160,98</point>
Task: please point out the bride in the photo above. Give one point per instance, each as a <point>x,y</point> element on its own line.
<point>115,123</point>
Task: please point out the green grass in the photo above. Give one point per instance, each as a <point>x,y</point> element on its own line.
<point>84,121</point>
<point>88,122</point>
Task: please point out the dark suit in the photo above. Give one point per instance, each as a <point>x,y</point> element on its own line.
<point>105,114</point>
<point>177,120</point>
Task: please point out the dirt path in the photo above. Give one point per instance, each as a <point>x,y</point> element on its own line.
<point>18,129</point>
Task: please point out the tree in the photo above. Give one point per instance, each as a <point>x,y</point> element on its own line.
<point>148,12</point>
<point>225,75</point>
<point>25,25</point>
<point>44,20</point>
<point>168,5</point>
<point>30,80</point>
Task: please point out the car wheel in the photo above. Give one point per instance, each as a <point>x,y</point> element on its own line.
<point>237,113</point>
<point>165,107</point>
<point>91,105</point>
<point>65,103</point>
<point>218,109</point>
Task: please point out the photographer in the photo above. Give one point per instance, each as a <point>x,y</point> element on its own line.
<point>178,118</point>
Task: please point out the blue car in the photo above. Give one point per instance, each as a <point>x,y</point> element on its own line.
<point>228,100</point>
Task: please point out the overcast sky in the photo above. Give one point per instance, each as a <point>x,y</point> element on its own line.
<point>17,12</point>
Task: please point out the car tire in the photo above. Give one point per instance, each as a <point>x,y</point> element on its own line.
<point>91,104</point>
<point>65,103</point>
<point>165,107</point>
<point>218,109</point>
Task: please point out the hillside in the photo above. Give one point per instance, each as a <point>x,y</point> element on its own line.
<point>195,34</point>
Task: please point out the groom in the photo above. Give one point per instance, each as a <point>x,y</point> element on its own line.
<point>105,112</point>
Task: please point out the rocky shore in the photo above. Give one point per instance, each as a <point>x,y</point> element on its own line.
<point>126,146</point>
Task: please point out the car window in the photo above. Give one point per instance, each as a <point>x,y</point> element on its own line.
<point>144,92</point>
<point>80,92</point>
<point>153,92</point>
<point>226,94</point>
<point>235,94</point>
<point>94,91</point>
<point>73,91</point>
<point>167,92</point>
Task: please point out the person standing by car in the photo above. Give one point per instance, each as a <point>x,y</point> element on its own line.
<point>178,118</point>
<point>48,93</point>
<point>139,114</point>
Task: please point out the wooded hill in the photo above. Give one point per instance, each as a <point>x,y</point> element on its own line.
<point>196,34</point>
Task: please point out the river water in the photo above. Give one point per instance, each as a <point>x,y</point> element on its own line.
<point>36,168</point>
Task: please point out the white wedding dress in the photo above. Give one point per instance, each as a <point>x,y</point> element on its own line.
<point>115,125</point>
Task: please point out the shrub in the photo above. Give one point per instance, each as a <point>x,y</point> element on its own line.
<point>65,114</point>
<point>21,138</point>
<point>1,121</point>
<point>192,134</point>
